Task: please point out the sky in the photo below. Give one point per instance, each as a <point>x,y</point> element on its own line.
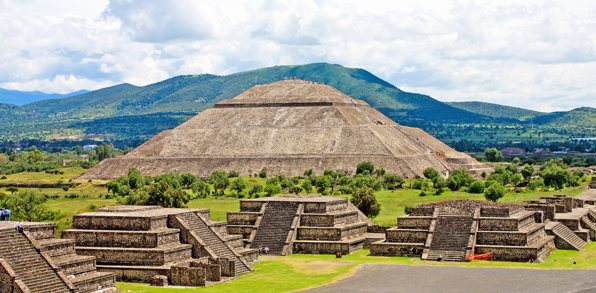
<point>538,55</point>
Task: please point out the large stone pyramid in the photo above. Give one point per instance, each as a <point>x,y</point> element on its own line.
<point>287,127</point>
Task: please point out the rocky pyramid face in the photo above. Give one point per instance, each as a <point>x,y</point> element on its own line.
<point>288,127</point>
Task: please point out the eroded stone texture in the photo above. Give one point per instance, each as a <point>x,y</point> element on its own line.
<point>287,127</point>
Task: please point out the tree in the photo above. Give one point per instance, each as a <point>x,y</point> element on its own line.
<point>233,174</point>
<point>323,183</point>
<point>493,155</point>
<point>364,199</point>
<point>162,194</point>
<point>295,189</point>
<point>494,192</point>
<point>394,180</point>
<point>430,173</point>
<point>238,184</point>
<point>272,189</point>
<point>113,186</point>
<point>65,188</point>
<point>365,166</point>
<point>220,181</point>
<point>513,168</point>
<point>201,188</point>
<point>527,172</point>
<point>135,179</point>
<point>380,172</point>
<point>187,179</point>
<point>255,189</point>
<point>34,156</point>
<point>307,186</point>
<point>28,206</point>
<point>12,189</point>
<point>263,173</point>
<point>555,176</point>
<point>476,187</point>
<point>103,152</point>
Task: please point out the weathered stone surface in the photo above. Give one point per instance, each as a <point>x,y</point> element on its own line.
<point>288,127</point>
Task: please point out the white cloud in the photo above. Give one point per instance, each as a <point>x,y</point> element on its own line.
<point>538,55</point>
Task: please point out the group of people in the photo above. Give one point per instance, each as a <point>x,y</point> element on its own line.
<point>263,249</point>
<point>4,214</point>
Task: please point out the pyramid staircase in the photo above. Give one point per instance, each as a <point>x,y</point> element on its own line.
<point>213,243</point>
<point>275,226</point>
<point>45,264</point>
<point>450,238</point>
<point>565,237</point>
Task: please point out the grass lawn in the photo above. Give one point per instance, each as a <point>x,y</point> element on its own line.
<point>298,271</point>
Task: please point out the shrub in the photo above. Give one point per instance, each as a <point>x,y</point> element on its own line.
<point>233,174</point>
<point>365,166</point>
<point>365,200</point>
<point>494,192</point>
<point>476,187</point>
<point>408,210</point>
<point>430,173</point>
<point>417,184</point>
<point>422,193</point>
<point>263,174</point>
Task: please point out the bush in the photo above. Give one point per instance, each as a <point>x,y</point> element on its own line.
<point>233,174</point>
<point>476,187</point>
<point>365,166</point>
<point>263,174</point>
<point>255,190</point>
<point>308,172</point>
<point>422,193</point>
<point>417,184</point>
<point>408,210</point>
<point>365,200</point>
<point>430,173</point>
<point>65,188</point>
<point>494,192</point>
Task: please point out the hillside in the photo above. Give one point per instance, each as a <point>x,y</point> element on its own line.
<point>20,98</point>
<point>125,110</point>
<point>497,111</point>
<point>584,117</point>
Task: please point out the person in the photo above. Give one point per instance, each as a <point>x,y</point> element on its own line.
<point>2,214</point>
<point>260,249</point>
<point>6,214</point>
<point>440,258</point>
<point>20,226</point>
<point>266,249</point>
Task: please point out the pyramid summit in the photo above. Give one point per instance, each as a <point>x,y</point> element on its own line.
<point>287,127</point>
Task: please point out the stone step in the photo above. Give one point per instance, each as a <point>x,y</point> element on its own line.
<point>446,254</point>
<point>568,236</point>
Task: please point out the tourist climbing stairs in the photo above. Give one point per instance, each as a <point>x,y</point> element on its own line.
<point>26,261</point>
<point>213,241</point>
<point>565,234</point>
<point>275,226</point>
<point>450,238</point>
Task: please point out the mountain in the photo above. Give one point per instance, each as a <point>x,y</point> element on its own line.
<point>22,98</point>
<point>497,111</point>
<point>129,111</point>
<point>584,117</point>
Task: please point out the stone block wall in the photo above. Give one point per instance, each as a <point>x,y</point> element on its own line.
<point>135,256</point>
<point>119,223</point>
<point>242,218</point>
<point>407,236</point>
<point>411,222</point>
<point>245,231</point>
<point>494,212</point>
<point>497,224</point>
<point>7,277</point>
<point>328,220</point>
<point>41,231</point>
<point>325,247</point>
<point>138,274</point>
<point>548,211</point>
<point>250,206</point>
<point>107,238</point>
<point>187,276</point>
<point>396,250</point>
<point>501,238</point>
<point>422,211</point>
<point>227,267</point>
<point>573,224</point>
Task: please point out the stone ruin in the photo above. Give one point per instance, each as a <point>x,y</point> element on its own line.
<point>571,219</point>
<point>35,261</point>
<point>310,224</point>
<point>287,127</point>
<point>457,229</point>
<point>160,246</point>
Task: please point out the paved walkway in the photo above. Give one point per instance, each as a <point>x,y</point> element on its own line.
<point>400,278</point>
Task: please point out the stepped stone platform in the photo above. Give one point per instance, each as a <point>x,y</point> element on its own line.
<point>160,245</point>
<point>310,224</point>
<point>287,127</point>
<point>578,214</point>
<point>456,229</point>
<point>35,261</point>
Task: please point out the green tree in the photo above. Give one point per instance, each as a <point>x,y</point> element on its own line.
<point>555,176</point>
<point>238,184</point>
<point>308,172</point>
<point>493,155</point>
<point>255,189</point>
<point>513,168</point>
<point>187,179</point>
<point>263,173</point>
<point>220,181</point>
<point>494,192</point>
<point>476,187</point>
<point>307,186</point>
<point>365,166</point>
<point>430,173</point>
<point>393,180</point>
<point>113,186</point>
<point>135,179</point>
<point>272,189</point>
<point>295,189</point>
<point>364,199</point>
<point>380,172</point>
<point>34,156</point>
<point>162,194</point>
<point>323,183</point>
<point>12,189</point>
<point>527,172</point>
<point>233,174</point>
<point>200,188</point>
<point>28,206</point>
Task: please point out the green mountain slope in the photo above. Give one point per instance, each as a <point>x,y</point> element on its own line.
<point>584,117</point>
<point>128,111</point>
<point>496,110</point>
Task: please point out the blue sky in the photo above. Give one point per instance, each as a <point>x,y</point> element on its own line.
<point>538,55</point>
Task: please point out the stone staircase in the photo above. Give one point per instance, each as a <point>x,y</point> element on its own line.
<point>447,255</point>
<point>275,226</point>
<point>80,269</point>
<point>587,223</point>
<point>28,263</point>
<point>213,241</point>
<point>565,234</point>
<point>451,237</point>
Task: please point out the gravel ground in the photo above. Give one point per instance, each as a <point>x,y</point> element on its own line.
<point>400,278</point>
